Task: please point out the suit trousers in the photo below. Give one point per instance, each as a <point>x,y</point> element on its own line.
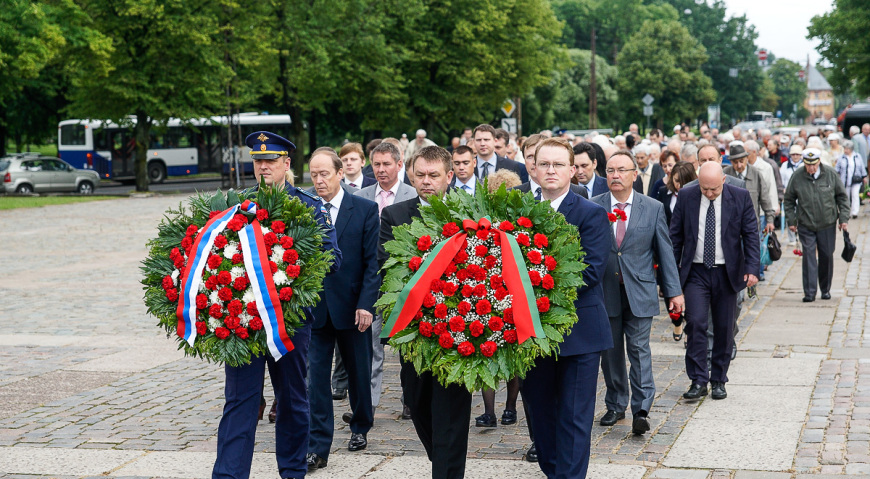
<point>238,425</point>
<point>441,416</point>
<point>630,336</point>
<point>561,396</point>
<point>818,271</point>
<point>377,360</point>
<point>355,348</point>
<point>709,290</point>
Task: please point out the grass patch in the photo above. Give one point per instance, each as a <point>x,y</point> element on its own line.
<point>13,202</point>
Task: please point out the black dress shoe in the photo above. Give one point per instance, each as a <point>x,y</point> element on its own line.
<point>610,417</point>
<point>339,394</point>
<point>357,442</point>
<point>826,295</point>
<point>315,461</point>
<point>406,412</point>
<point>809,299</point>
<point>485,420</point>
<point>696,391</point>
<point>718,391</point>
<point>639,424</point>
<point>734,352</point>
<point>532,454</point>
<point>273,412</point>
<point>347,417</point>
<point>508,417</point>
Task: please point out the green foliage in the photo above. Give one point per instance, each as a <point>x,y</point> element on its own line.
<point>663,59</point>
<point>844,43</point>
<point>788,86</point>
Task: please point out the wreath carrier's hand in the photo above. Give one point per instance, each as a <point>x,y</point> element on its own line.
<point>363,319</point>
<point>677,304</point>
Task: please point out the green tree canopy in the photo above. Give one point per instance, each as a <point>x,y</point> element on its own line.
<point>845,43</point>
<point>788,86</point>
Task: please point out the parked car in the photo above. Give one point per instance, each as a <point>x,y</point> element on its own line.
<point>25,174</point>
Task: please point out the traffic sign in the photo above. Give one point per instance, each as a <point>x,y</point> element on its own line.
<point>648,99</point>
<point>508,107</point>
<point>648,110</point>
<point>762,55</point>
<point>509,124</point>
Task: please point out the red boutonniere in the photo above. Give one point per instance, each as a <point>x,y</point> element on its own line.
<point>617,214</point>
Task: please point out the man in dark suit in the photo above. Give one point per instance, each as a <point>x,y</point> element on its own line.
<point>464,166</point>
<point>440,414</point>
<point>584,160</point>
<point>715,237</point>
<point>487,159</point>
<point>529,156</point>
<point>638,242</point>
<point>353,159</point>
<point>345,311</point>
<point>647,173</point>
<point>561,390</point>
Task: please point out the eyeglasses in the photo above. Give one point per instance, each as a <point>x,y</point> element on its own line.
<point>621,171</point>
<point>555,166</point>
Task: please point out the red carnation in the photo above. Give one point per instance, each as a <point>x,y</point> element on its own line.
<point>224,277</point>
<point>495,281</point>
<point>215,311</point>
<point>424,243</point>
<point>611,217</point>
<point>541,240</point>
<point>457,324</point>
<point>445,340</point>
<point>172,294</point>
<point>240,217</point>
<point>440,311</point>
<point>543,304</point>
<point>480,275</point>
<point>620,214</point>
<point>220,241</point>
<point>191,230</point>
<point>238,258</point>
<point>255,324</point>
<point>270,239</point>
<point>178,262</point>
<point>464,307</point>
<point>480,291</point>
<point>482,234</point>
<point>287,242</point>
<point>465,348</point>
<point>240,283</point>
<point>201,301</point>
<point>467,290</point>
<point>440,328</point>
<point>547,282</point>
<point>490,261</point>
<point>524,222</point>
<point>655,266</point>
<point>278,227</point>
<point>495,323</point>
<point>168,283</point>
<point>535,277</point>
<point>535,257</point>
<point>232,322</point>
<point>476,328</point>
<point>175,253</point>
<point>436,286</point>
<point>234,225</point>
<point>449,289</point>
<point>201,328</point>
<point>262,215</point>
<point>462,274</point>
<point>273,266</point>
<point>550,263</point>
<point>674,315</point>
<point>186,243</point>
<point>501,293</point>
<point>235,307</point>
<point>461,257</point>
<point>483,307</point>
<point>450,229</point>
<point>214,261</point>
<point>506,226</point>
<point>451,268</point>
<point>523,239</point>
<point>293,271</point>
<point>415,263</point>
<point>212,214</point>
<point>285,294</point>
<point>480,251</point>
<point>291,256</point>
<point>426,329</point>
<point>488,348</point>
<point>222,333</point>
<point>225,294</point>
<point>418,314</point>
<point>510,336</point>
<point>211,283</point>
<point>251,308</point>
<point>429,301</point>
<point>242,333</point>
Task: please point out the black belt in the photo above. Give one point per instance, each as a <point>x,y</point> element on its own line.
<point>712,267</point>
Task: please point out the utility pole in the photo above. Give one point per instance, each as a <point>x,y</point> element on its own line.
<point>593,89</point>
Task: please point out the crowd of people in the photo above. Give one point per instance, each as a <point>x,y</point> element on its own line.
<point>695,212</point>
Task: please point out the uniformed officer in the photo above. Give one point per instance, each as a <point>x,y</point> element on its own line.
<point>238,425</point>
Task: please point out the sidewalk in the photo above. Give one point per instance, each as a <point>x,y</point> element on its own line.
<point>89,386</point>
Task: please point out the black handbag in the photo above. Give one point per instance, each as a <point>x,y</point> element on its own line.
<point>857,179</point>
<point>774,249</point>
<point>848,248</point>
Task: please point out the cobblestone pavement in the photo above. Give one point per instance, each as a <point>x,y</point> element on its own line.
<point>84,370</point>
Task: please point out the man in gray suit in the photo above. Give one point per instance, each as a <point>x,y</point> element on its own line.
<point>630,294</point>
<point>386,164</point>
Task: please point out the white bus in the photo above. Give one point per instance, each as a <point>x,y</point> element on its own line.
<point>176,149</point>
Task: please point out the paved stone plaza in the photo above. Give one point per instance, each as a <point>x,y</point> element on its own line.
<point>89,386</point>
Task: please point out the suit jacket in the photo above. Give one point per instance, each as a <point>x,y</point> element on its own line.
<point>369,171</point>
<point>664,197</point>
<point>758,189</point>
<point>599,186</point>
<point>729,180</point>
<point>592,331</point>
<point>356,284</point>
<point>739,239</point>
<point>506,163</point>
<point>646,241</point>
<point>576,189</point>
<point>363,182</point>
<point>404,193</point>
<point>656,174</point>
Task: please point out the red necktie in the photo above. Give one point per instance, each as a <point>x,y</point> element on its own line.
<point>620,226</point>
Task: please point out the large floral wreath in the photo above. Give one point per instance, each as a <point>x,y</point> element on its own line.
<point>231,277</point>
<point>480,286</point>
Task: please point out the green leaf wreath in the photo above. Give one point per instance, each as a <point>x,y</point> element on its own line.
<point>464,332</point>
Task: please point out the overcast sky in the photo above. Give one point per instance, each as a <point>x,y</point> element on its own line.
<point>782,25</point>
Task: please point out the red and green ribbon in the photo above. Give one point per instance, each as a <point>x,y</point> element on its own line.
<point>514,272</point>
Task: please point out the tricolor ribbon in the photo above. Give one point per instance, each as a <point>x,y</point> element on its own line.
<point>514,272</point>
<point>256,257</point>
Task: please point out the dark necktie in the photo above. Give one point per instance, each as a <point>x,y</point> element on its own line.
<point>484,170</point>
<point>353,185</point>
<point>538,194</point>
<point>710,237</point>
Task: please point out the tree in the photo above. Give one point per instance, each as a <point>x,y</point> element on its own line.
<point>167,62</point>
<point>789,87</point>
<point>844,42</point>
<point>663,59</point>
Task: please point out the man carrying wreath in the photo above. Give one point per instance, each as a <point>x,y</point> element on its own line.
<point>561,390</point>
<point>238,425</point>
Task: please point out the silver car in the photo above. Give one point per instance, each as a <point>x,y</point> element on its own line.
<point>38,174</point>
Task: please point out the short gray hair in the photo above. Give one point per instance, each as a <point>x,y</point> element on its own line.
<point>624,152</point>
<point>689,150</point>
<point>751,145</point>
<point>641,148</point>
<point>849,144</point>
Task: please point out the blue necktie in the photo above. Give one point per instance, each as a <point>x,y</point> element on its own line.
<point>484,170</point>
<point>467,188</point>
<point>538,194</point>
<point>710,237</point>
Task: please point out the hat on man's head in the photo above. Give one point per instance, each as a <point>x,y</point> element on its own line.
<point>795,150</point>
<point>266,145</point>
<point>812,156</point>
<point>737,151</point>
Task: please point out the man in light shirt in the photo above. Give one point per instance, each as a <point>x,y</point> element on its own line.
<point>353,160</point>
<point>464,165</point>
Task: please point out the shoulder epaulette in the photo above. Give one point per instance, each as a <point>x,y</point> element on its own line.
<point>307,193</point>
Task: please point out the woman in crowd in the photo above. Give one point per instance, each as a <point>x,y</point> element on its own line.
<point>667,160</point>
<point>850,167</point>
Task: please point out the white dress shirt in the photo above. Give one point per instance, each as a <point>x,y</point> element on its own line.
<point>471,185</point>
<point>674,201</point>
<point>491,161</point>
<point>335,203</point>
<point>628,202</point>
<point>702,224</point>
<point>589,185</point>
<point>534,186</point>
<point>358,181</point>
<point>558,201</point>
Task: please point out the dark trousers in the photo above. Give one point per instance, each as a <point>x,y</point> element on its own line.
<point>339,373</point>
<point>356,347</point>
<point>561,396</point>
<point>238,425</point>
<point>441,416</point>
<point>818,271</point>
<point>709,290</point>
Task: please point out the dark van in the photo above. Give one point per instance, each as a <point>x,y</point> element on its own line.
<point>857,114</point>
